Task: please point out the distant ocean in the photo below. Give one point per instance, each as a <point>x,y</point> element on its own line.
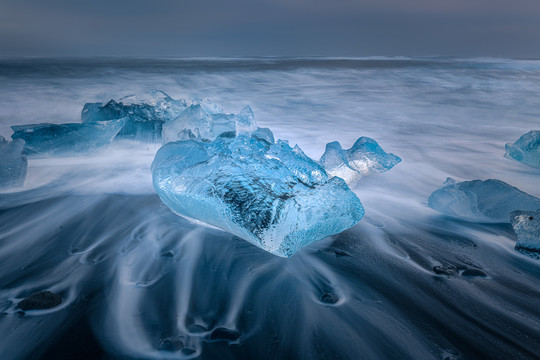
<point>139,282</point>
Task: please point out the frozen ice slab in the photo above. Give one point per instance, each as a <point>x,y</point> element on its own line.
<point>526,149</point>
<point>64,139</point>
<point>481,200</point>
<point>208,123</point>
<point>144,117</point>
<point>13,163</point>
<point>270,195</point>
<point>365,157</point>
<point>526,225</point>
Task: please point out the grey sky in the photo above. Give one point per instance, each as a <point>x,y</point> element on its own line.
<point>505,28</point>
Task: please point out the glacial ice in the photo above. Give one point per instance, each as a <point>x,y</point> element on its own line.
<point>144,117</point>
<point>13,164</point>
<point>526,149</point>
<point>207,122</point>
<point>481,200</point>
<point>268,194</point>
<point>365,157</point>
<point>526,225</point>
<point>62,139</point>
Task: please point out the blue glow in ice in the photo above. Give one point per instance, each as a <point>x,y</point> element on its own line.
<point>526,225</point>
<point>144,117</point>
<point>65,139</point>
<point>13,164</point>
<point>526,149</point>
<point>365,157</point>
<point>481,201</point>
<point>270,195</point>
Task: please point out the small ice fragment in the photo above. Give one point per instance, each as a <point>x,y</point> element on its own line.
<point>526,149</point>
<point>279,203</point>
<point>365,157</point>
<point>65,139</point>
<point>481,201</point>
<point>526,225</point>
<point>13,163</point>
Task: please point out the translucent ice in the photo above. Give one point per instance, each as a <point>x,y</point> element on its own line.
<point>482,201</point>
<point>270,195</point>
<point>264,134</point>
<point>526,149</point>
<point>365,157</point>
<point>63,139</point>
<point>144,117</point>
<point>526,225</point>
<point>13,163</point>
<point>208,122</point>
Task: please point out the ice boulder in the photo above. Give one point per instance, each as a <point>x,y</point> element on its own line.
<point>268,194</point>
<point>365,157</point>
<point>208,123</point>
<point>65,139</point>
<point>13,163</point>
<point>526,149</point>
<point>481,200</point>
<point>144,116</point>
<point>526,225</point>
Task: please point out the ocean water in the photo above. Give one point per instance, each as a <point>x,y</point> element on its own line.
<point>139,282</point>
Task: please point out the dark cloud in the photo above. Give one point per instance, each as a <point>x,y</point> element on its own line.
<point>270,27</point>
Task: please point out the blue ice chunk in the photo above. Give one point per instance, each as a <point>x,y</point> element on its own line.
<point>64,139</point>
<point>481,200</point>
<point>144,118</point>
<point>238,184</point>
<point>264,134</point>
<point>365,157</point>
<point>526,149</point>
<point>197,120</point>
<point>526,225</point>
<point>208,122</point>
<point>13,163</point>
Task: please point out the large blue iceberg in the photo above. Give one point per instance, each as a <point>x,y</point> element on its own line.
<point>526,149</point>
<point>526,225</point>
<point>64,139</point>
<point>269,194</point>
<point>13,164</point>
<point>481,200</point>
<point>144,118</point>
<point>365,157</point>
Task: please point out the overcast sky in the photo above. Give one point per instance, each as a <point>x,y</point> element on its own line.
<point>151,28</point>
